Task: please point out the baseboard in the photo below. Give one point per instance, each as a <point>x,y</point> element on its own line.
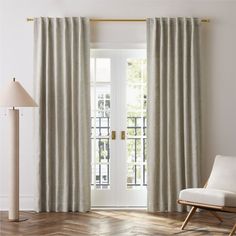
<point>26,203</point>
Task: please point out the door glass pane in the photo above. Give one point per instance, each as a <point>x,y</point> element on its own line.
<point>100,121</point>
<point>103,69</point>
<point>102,148</point>
<point>134,177</point>
<point>136,122</point>
<point>102,176</point>
<point>103,100</point>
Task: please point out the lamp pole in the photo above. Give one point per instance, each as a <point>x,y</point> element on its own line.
<point>13,214</point>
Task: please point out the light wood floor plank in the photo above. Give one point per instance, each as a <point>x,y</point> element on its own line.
<point>115,223</point>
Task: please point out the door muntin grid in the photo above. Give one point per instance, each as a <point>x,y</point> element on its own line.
<point>136,123</point>
<point>100,122</point>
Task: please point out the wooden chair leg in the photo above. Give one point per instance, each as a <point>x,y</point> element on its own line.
<point>216,215</point>
<point>233,231</point>
<point>190,214</point>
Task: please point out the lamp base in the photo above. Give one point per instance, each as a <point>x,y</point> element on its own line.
<point>18,220</point>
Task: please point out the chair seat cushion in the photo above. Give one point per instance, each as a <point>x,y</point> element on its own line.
<point>209,196</point>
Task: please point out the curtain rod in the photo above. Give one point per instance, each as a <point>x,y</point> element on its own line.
<point>203,20</point>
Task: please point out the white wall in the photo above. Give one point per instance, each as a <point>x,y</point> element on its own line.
<point>219,82</point>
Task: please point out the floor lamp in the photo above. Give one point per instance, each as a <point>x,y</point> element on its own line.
<point>14,95</point>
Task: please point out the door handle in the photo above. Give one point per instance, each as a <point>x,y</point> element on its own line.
<point>113,135</point>
<point>122,135</point>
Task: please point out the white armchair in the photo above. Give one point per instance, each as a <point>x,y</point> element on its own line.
<point>219,194</point>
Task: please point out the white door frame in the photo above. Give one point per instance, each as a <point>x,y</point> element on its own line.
<point>118,195</point>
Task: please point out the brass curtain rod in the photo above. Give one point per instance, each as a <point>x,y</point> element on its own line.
<point>203,20</point>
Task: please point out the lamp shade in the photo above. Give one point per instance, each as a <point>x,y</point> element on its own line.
<point>14,95</point>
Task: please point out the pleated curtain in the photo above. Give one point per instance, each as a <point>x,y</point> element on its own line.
<point>173,150</point>
<point>61,69</point>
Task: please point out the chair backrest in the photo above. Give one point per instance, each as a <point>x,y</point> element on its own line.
<point>223,174</point>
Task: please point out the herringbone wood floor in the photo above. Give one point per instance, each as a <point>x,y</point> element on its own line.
<point>114,223</point>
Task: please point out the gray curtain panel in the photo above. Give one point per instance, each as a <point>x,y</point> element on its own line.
<point>173,110</point>
<point>63,123</point>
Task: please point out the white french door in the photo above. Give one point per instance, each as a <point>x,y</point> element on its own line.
<point>118,105</point>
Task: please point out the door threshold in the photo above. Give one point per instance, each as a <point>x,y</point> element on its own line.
<point>119,208</point>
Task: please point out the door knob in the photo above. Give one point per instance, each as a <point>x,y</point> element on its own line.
<point>123,134</point>
<point>113,135</point>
